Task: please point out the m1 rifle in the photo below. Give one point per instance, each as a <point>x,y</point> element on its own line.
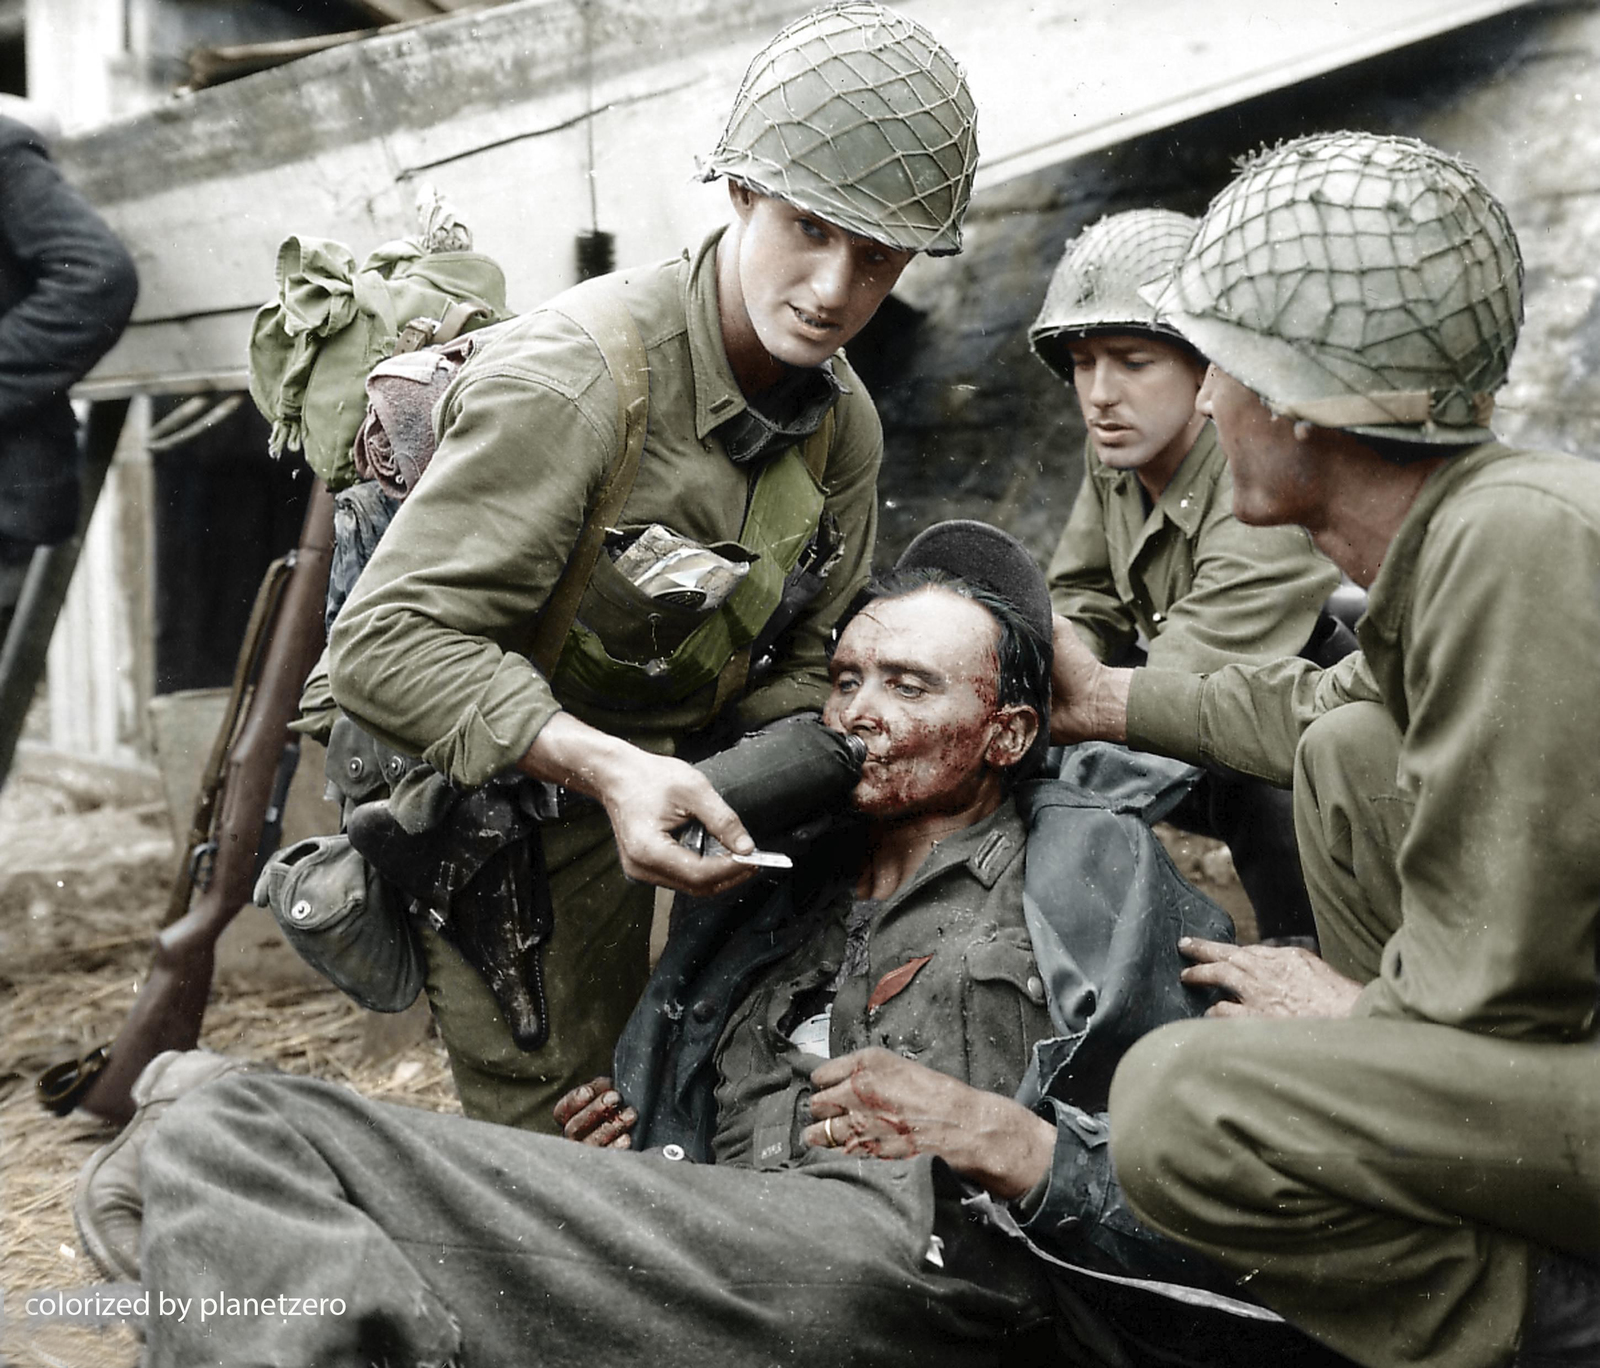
<point>241,795</point>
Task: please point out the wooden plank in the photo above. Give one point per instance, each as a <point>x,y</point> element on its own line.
<point>494,108</point>
<point>209,65</point>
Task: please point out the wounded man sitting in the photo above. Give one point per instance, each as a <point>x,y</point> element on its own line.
<point>857,1119</point>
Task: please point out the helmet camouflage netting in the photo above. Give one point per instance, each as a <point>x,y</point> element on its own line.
<point>860,116</point>
<point>1107,282</point>
<point>1357,281</point>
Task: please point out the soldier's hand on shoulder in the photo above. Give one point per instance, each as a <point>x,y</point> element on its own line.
<point>595,1114</point>
<point>1268,980</point>
<point>1089,701</point>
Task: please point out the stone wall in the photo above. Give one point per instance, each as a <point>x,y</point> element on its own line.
<point>977,427</point>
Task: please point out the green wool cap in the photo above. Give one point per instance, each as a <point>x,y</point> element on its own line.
<point>858,115</point>
<point>1360,282</point>
<point>1108,280</point>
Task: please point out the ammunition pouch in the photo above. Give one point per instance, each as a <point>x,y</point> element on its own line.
<point>627,651</point>
<point>335,911</point>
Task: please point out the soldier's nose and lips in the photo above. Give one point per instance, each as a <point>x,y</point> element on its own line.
<point>1276,477</point>
<point>917,679</point>
<point>1138,399</point>
<point>809,286</point>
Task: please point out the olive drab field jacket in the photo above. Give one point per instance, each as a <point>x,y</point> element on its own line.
<point>429,652</point>
<point>1482,641</point>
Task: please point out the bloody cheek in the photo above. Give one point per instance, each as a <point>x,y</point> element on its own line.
<point>928,759</point>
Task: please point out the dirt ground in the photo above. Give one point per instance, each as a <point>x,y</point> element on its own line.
<point>86,861</point>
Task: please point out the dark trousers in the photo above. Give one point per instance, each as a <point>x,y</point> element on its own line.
<point>445,1241</point>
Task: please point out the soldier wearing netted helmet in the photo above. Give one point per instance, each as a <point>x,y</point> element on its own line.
<point>850,149</point>
<point>859,115</point>
<point>1152,551</point>
<point>1401,1166</point>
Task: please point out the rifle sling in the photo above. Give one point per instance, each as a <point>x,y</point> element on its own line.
<point>599,310</point>
<point>262,614</point>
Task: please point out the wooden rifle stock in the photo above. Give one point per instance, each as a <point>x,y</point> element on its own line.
<point>217,874</point>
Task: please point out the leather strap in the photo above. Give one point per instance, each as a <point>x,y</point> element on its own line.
<point>460,313</point>
<point>598,308</point>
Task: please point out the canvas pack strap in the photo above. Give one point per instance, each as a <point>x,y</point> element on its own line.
<point>598,308</point>
<point>735,674</point>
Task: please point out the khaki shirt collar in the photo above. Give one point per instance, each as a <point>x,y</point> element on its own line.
<point>1188,493</point>
<point>718,400</point>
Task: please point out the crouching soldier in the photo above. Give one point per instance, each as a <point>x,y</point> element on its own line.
<point>1407,1169</point>
<point>512,616</point>
<point>1152,549</point>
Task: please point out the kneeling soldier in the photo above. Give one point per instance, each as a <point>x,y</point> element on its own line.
<point>1152,547</point>
<point>760,446</point>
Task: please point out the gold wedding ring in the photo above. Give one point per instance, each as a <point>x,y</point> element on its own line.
<point>827,1129</point>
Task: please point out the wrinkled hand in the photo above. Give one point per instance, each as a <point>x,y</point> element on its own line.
<point>647,797</point>
<point>886,1107</point>
<point>1088,700</point>
<point>1268,980</point>
<point>659,796</point>
<point>595,1114</point>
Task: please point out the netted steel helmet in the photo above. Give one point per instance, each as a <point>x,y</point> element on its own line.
<point>858,115</point>
<point>1357,281</point>
<point>1108,280</point>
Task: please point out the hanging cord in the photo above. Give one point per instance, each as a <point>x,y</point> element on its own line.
<point>596,250</point>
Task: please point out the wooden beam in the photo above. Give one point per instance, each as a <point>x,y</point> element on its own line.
<point>209,65</point>
<point>495,108</point>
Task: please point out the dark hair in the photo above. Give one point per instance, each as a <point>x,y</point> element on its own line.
<point>1402,451</point>
<point>1024,655</point>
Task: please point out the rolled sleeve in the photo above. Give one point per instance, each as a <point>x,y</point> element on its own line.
<point>427,652</point>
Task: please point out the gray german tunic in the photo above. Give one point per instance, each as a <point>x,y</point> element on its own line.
<point>941,972</point>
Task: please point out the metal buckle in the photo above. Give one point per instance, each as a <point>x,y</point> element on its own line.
<point>62,1086</point>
